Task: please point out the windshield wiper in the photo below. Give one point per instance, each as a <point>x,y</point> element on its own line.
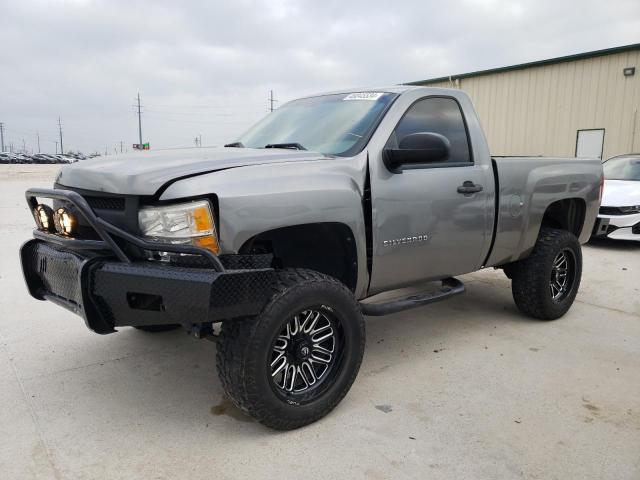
<point>235,145</point>
<point>292,146</point>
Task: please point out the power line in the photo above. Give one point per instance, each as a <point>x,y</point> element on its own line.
<point>190,114</point>
<point>199,106</point>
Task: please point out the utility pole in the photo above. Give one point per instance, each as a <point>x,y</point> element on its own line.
<point>56,147</point>
<point>1,137</point>
<point>60,128</point>
<point>38,136</point>
<point>200,138</point>
<point>139,121</point>
<point>24,146</point>
<point>106,151</point>
<point>121,146</point>
<point>271,101</point>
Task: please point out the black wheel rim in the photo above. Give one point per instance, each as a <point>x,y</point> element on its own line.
<point>563,272</point>
<point>306,355</point>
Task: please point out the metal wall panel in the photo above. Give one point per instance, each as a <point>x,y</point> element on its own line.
<point>539,110</point>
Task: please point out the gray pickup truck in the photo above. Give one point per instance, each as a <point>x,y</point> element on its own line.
<point>285,235</point>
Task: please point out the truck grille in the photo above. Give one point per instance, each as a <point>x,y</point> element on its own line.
<point>106,203</point>
<point>119,210</point>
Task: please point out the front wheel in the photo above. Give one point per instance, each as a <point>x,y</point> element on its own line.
<point>294,362</point>
<point>545,284</point>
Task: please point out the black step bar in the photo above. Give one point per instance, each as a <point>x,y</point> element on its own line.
<point>450,287</point>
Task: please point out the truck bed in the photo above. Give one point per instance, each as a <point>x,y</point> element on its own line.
<point>526,186</point>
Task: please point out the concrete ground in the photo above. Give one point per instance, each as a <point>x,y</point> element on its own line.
<point>465,389</point>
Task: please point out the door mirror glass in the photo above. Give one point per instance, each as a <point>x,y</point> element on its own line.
<point>417,148</point>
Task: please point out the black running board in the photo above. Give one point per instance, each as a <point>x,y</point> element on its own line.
<point>450,287</point>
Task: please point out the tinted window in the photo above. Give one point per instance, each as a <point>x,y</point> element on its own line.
<point>437,115</point>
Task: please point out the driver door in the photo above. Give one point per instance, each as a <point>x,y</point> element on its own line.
<point>424,227</point>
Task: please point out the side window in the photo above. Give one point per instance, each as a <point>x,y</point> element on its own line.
<point>437,115</point>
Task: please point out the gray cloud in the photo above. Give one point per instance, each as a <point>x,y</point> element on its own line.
<point>206,67</point>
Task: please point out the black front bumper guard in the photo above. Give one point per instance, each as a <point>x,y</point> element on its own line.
<point>99,281</point>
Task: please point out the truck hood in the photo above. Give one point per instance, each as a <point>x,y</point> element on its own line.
<point>144,173</point>
<point>620,193</point>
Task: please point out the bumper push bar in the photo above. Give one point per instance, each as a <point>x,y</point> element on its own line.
<point>100,281</point>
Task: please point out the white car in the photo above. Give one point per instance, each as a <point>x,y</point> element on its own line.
<point>621,197</point>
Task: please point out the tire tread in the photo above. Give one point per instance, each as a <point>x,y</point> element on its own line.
<point>232,354</point>
<point>529,280</point>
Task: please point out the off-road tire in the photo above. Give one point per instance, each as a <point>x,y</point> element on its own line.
<point>244,349</point>
<point>531,276</point>
<point>158,328</point>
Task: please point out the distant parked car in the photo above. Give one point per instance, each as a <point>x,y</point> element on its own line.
<point>60,158</point>
<point>621,197</point>
<point>23,158</point>
<point>44,158</point>
<point>5,158</point>
<point>15,157</point>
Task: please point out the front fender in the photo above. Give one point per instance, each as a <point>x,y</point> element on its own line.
<point>255,199</point>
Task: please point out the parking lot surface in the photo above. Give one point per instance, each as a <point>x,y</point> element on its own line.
<point>464,389</point>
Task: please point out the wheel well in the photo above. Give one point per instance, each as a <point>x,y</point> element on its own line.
<point>567,214</point>
<point>328,248</point>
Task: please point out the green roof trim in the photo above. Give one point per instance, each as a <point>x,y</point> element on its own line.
<point>539,63</point>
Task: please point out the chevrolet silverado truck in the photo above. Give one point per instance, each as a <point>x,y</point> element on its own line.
<point>284,236</point>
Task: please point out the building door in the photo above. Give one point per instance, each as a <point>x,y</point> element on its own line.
<point>590,143</point>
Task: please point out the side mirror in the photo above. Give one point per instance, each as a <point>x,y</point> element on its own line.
<point>416,148</point>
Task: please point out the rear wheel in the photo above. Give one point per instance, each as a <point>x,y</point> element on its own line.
<point>294,362</point>
<point>545,284</point>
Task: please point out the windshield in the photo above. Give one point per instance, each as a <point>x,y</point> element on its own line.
<point>331,124</point>
<point>623,168</point>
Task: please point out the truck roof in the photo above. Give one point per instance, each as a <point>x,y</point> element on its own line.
<point>399,89</point>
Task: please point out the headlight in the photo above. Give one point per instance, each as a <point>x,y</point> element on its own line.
<point>184,223</point>
<point>630,210</point>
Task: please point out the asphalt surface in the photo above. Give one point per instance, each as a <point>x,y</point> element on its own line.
<point>464,389</point>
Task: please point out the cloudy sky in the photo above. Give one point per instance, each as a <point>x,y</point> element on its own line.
<point>206,67</point>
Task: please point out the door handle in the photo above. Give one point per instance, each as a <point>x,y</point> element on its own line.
<point>468,187</point>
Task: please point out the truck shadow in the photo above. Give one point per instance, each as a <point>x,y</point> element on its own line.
<point>609,244</point>
<point>179,384</point>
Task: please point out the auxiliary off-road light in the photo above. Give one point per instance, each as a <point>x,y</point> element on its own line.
<point>43,215</point>
<point>64,221</point>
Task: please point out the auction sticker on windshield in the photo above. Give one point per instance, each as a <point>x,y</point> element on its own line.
<point>364,96</point>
